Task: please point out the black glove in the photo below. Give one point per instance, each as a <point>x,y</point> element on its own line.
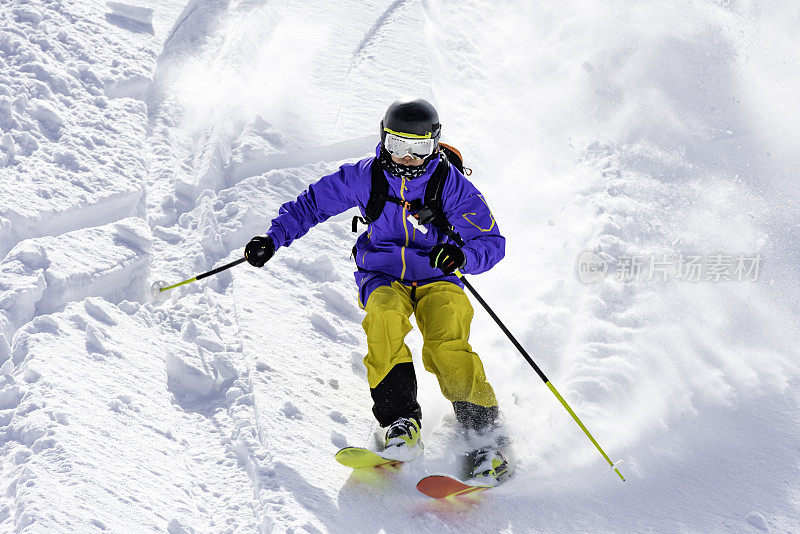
<point>259,250</point>
<point>447,257</point>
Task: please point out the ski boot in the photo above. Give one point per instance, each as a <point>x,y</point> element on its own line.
<point>487,465</point>
<point>403,440</point>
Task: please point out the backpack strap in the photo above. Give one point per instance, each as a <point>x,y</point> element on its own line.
<point>378,194</point>
<point>433,211</point>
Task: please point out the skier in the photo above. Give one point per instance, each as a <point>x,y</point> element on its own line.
<point>404,268</point>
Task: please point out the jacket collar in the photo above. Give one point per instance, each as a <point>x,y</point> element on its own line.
<point>411,185</point>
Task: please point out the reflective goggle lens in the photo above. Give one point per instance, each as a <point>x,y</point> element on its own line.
<point>403,146</point>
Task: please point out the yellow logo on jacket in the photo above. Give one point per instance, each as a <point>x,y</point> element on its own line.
<point>491,217</point>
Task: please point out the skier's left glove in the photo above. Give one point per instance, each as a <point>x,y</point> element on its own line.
<point>259,250</point>
<point>447,257</point>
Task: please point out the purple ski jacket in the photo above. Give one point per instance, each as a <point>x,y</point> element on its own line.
<point>392,248</point>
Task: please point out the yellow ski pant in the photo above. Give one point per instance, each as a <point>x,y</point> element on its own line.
<point>443,314</point>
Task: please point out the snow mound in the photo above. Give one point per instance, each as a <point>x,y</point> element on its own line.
<point>137,14</point>
<point>41,275</point>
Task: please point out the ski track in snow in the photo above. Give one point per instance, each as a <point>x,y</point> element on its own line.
<point>381,23</point>
<point>137,148</point>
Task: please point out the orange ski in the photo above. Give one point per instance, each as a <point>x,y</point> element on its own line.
<point>441,486</point>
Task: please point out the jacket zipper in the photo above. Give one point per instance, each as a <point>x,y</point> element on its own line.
<point>405,228</point>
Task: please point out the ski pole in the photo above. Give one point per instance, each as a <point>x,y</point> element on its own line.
<point>538,370</point>
<point>161,289</point>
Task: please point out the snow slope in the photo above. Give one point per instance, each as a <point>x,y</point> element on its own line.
<point>150,140</point>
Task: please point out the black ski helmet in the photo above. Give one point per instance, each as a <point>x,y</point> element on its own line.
<point>412,118</point>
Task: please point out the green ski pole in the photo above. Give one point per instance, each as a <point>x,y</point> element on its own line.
<point>538,371</point>
<point>160,287</point>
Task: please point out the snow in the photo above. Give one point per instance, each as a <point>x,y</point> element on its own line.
<point>136,14</point>
<point>150,140</point>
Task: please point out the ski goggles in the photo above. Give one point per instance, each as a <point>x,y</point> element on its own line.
<point>400,147</point>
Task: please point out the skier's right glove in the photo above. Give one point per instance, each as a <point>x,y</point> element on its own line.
<point>259,250</point>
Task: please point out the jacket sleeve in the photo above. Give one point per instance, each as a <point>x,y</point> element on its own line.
<point>330,195</point>
<point>468,212</point>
